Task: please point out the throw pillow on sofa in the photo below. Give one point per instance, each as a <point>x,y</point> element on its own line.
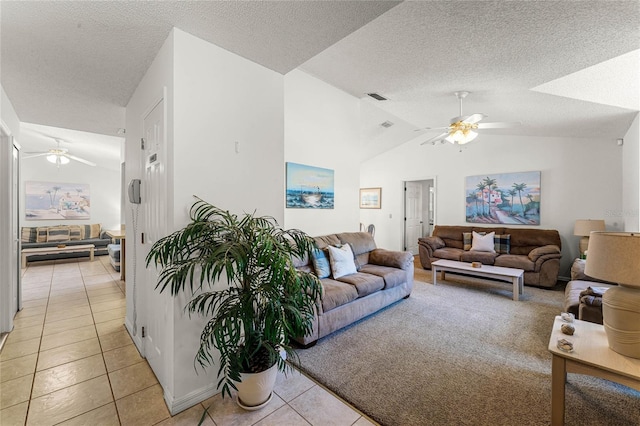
<point>483,242</point>
<point>75,232</point>
<point>466,240</point>
<point>502,243</point>
<point>342,262</point>
<point>28,234</point>
<point>57,234</point>
<point>321,263</point>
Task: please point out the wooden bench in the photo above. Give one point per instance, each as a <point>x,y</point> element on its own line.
<point>54,250</point>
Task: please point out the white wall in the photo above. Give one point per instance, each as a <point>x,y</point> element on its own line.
<point>322,129</point>
<point>104,186</point>
<point>580,179</point>
<point>214,99</point>
<point>220,99</point>
<point>630,179</point>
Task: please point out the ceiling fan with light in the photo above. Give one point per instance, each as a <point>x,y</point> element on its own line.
<point>58,156</point>
<point>462,129</point>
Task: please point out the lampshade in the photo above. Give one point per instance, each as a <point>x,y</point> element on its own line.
<point>615,257</point>
<point>583,227</point>
<point>461,137</point>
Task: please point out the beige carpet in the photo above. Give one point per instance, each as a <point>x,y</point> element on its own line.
<point>461,353</point>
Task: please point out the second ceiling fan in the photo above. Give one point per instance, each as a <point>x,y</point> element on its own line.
<point>462,129</point>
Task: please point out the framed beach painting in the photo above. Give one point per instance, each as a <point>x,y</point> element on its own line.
<point>309,187</point>
<point>370,198</point>
<point>57,201</point>
<point>507,198</point>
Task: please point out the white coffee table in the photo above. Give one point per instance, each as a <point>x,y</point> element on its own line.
<point>592,356</point>
<point>511,275</point>
<point>52,250</point>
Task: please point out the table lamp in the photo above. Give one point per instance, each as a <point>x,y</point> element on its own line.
<point>583,228</point>
<point>615,257</point>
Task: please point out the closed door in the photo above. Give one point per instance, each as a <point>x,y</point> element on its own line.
<point>413,215</point>
<point>154,225</point>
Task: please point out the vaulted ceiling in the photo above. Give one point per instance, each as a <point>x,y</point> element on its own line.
<point>561,68</point>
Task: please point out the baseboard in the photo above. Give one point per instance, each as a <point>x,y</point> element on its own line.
<point>137,340</point>
<point>176,405</point>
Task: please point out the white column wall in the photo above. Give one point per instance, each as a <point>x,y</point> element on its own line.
<point>580,179</point>
<point>322,129</point>
<point>630,179</point>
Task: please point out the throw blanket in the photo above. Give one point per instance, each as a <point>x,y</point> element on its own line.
<point>592,296</point>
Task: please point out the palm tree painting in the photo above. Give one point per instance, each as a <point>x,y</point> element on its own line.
<point>507,198</point>
<point>57,201</point>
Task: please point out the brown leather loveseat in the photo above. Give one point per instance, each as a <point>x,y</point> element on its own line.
<point>536,251</point>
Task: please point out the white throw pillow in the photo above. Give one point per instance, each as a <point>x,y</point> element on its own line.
<point>341,261</point>
<point>483,242</point>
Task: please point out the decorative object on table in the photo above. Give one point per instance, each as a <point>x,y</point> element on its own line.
<point>583,228</point>
<point>613,256</point>
<point>476,264</point>
<point>568,329</point>
<point>239,273</point>
<point>567,317</point>
<point>512,198</point>
<point>309,187</point>
<point>565,345</point>
<point>55,200</point>
<point>370,198</point>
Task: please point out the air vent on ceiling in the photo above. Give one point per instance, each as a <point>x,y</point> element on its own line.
<point>377,97</point>
<point>387,124</point>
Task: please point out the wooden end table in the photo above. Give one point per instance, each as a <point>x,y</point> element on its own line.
<point>592,356</point>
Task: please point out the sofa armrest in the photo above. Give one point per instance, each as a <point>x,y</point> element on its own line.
<point>393,259</point>
<point>549,251</point>
<point>433,243</point>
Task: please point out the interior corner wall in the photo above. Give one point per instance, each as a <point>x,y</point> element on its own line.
<point>228,150</point>
<point>581,179</point>
<point>630,213</point>
<point>157,81</point>
<point>322,129</point>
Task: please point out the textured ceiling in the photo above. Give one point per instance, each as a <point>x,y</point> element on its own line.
<point>75,64</point>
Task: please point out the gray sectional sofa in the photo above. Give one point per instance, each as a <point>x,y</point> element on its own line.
<point>36,237</point>
<point>382,278</point>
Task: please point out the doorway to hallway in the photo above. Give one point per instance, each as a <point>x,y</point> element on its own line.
<point>419,211</point>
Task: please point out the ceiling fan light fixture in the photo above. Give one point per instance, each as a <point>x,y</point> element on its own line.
<point>57,159</point>
<point>461,137</point>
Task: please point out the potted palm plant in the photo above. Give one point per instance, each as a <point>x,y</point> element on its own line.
<point>239,274</point>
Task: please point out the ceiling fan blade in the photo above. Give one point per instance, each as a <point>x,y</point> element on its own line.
<point>499,125</point>
<point>430,128</point>
<point>437,138</point>
<point>82,160</point>
<point>35,154</point>
<point>474,118</point>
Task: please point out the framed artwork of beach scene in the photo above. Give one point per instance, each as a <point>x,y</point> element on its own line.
<point>370,198</point>
<point>57,201</point>
<point>309,187</point>
<point>507,198</point>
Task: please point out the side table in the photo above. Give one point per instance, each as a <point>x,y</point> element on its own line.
<point>592,356</point>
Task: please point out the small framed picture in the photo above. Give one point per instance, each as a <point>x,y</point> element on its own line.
<point>370,198</point>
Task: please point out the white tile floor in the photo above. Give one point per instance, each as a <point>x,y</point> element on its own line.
<point>69,360</point>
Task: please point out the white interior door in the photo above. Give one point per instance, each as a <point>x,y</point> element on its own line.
<point>413,215</point>
<point>154,207</point>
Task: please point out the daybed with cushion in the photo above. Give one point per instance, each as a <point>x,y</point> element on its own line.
<point>357,279</point>
<point>69,235</point>
<point>536,251</point>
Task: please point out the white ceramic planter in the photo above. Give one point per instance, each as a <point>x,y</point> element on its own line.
<point>254,392</point>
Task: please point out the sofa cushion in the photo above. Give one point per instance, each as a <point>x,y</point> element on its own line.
<point>392,277</point>
<point>41,234</point>
<point>321,263</point>
<point>28,234</point>
<point>361,244</point>
<point>466,241</point>
<point>364,284</point>
<point>449,253</point>
<point>91,231</point>
<point>481,242</point>
<point>393,259</point>
<point>335,293</point>
<point>57,234</point>
<point>515,261</point>
<point>484,257</point>
<point>327,240</point>
<point>502,243</point>
<point>342,262</point>
<point>75,232</point>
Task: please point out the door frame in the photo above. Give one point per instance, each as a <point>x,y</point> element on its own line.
<point>404,203</point>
